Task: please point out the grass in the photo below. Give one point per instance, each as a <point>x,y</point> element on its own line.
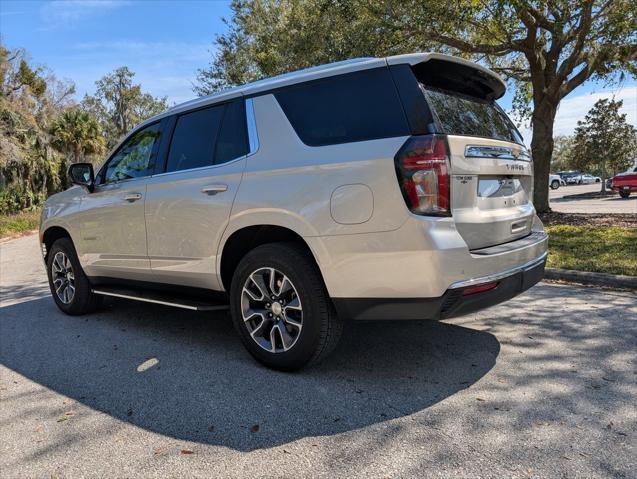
<point>19,223</point>
<point>602,249</point>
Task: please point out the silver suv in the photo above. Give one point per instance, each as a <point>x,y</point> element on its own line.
<point>376,188</point>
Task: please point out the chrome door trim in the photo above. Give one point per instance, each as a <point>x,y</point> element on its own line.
<point>199,168</point>
<point>253,136</point>
<point>501,275</point>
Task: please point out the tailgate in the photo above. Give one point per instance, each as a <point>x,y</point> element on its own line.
<point>491,173</point>
<point>491,170</point>
<point>491,191</point>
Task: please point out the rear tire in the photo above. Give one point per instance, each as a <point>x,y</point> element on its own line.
<point>281,309</point>
<point>555,184</point>
<point>624,194</point>
<point>69,285</point>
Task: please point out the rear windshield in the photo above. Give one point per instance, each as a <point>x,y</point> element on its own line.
<point>463,115</point>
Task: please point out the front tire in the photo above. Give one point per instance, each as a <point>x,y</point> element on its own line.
<point>555,184</point>
<point>281,309</point>
<point>69,285</point>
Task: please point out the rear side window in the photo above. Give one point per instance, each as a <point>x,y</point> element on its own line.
<point>233,138</point>
<point>457,114</point>
<point>194,138</point>
<point>353,107</point>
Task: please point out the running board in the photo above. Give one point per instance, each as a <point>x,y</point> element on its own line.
<point>159,298</point>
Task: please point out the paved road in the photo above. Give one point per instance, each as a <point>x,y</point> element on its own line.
<point>544,386</point>
<point>611,204</point>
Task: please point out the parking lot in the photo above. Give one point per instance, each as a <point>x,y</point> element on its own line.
<point>560,201</point>
<point>542,386</point>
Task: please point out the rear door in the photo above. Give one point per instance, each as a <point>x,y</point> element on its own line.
<point>188,205</point>
<point>492,173</point>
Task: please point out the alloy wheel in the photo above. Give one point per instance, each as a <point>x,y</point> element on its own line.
<point>63,277</point>
<point>271,310</point>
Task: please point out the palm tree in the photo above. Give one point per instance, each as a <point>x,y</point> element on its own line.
<point>77,133</point>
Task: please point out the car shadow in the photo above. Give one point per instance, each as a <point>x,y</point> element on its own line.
<point>186,375</point>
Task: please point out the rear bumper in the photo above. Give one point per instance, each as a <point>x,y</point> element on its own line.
<point>454,302</point>
<point>623,188</point>
<point>423,259</point>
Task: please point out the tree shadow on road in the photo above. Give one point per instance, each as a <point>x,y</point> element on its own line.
<point>204,387</point>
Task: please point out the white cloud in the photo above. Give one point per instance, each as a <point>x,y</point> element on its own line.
<point>65,13</point>
<point>573,109</point>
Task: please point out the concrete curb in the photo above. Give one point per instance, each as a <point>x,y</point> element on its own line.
<point>590,196</point>
<point>587,277</point>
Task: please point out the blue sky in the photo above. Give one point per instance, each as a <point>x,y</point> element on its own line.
<point>165,42</point>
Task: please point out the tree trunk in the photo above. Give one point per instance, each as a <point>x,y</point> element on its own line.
<point>604,175</point>
<point>77,153</point>
<point>542,151</point>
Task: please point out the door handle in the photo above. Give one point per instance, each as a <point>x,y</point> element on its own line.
<point>214,189</point>
<point>133,197</point>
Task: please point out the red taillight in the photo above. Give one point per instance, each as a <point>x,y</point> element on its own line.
<point>422,165</point>
<point>481,288</point>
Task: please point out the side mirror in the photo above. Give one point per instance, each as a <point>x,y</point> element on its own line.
<point>82,174</point>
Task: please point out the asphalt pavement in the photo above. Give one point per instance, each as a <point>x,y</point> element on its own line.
<point>560,200</point>
<point>544,385</point>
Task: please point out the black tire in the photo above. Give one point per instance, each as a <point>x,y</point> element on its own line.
<point>83,300</point>
<point>624,194</point>
<point>321,328</point>
<point>555,185</point>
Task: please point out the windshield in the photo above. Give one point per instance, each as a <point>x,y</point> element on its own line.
<point>463,115</point>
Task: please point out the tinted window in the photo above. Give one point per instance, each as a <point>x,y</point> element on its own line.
<point>136,157</point>
<point>354,107</point>
<point>193,140</point>
<point>463,115</point>
<point>233,138</point>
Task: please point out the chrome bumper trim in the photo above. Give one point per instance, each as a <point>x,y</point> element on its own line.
<point>502,274</point>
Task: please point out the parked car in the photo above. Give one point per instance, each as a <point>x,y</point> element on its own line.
<point>570,177</point>
<point>555,181</point>
<point>586,179</point>
<point>378,188</point>
<point>625,183</point>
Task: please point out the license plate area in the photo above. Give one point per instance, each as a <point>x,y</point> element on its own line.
<point>499,186</point>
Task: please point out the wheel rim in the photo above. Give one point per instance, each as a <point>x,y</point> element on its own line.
<point>271,310</point>
<point>63,277</point>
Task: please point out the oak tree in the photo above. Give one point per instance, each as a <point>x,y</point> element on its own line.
<point>545,48</point>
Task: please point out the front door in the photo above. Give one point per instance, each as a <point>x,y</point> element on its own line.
<point>113,230</point>
<point>188,206</point>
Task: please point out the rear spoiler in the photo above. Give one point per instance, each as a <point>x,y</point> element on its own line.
<point>452,73</point>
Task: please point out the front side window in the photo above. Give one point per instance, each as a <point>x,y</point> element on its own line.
<point>194,138</point>
<point>136,157</point>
